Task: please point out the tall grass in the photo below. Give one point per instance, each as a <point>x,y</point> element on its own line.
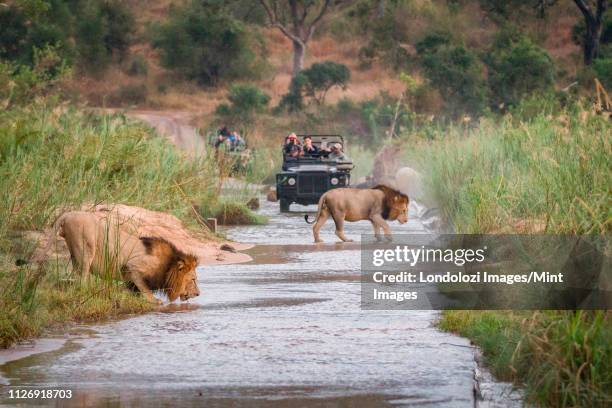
<point>547,172</point>
<point>553,170</point>
<point>32,300</point>
<point>57,157</point>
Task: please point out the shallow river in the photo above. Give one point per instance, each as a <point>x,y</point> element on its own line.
<point>283,330</point>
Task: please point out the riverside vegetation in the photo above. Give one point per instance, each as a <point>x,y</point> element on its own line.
<point>542,172</point>
<point>452,81</point>
<point>55,156</point>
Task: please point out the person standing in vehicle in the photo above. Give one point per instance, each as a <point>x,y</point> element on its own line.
<point>337,154</point>
<point>309,149</point>
<point>292,140</point>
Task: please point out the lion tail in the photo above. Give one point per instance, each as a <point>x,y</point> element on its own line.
<point>321,206</point>
<point>58,225</point>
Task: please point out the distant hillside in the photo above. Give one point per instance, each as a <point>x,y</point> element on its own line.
<point>336,40</point>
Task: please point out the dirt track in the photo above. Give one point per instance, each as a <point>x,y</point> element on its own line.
<point>175,125</point>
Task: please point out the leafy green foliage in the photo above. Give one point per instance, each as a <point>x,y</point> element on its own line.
<point>119,26</point>
<point>432,41</point>
<point>457,74</point>
<point>245,100</point>
<point>321,77</point>
<point>603,68</point>
<point>385,41</point>
<point>89,33</point>
<point>20,84</point>
<point>293,101</point>
<point>204,43</point>
<point>516,68</point>
<point>314,83</point>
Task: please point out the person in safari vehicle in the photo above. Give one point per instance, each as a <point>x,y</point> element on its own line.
<point>309,150</point>
<point>290,142</point>
<point>337,154</point>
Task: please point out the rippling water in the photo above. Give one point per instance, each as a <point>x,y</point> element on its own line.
<point>283,330</point>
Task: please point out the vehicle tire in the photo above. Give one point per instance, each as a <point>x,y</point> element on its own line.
<point>284,205</point>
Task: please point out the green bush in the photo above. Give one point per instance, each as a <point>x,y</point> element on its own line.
<point>321,77</point>
<point>603,69</point>
<point>314,83</point>
<point>88,33</point>
<point>293,101</point>
<point>432,41</point>
<point>23,30</point>
<point>119,26</point>
<point>517,67</point>
<point>458,75</point>
<point>245,100</point>
<point>385,42</point>
<point>20,84</point>
<point>204,43</point>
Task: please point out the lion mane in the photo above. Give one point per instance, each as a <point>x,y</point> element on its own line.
<point>169,269</point>
<point>391,196</point>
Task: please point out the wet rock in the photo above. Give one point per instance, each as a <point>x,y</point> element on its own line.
<point>271,196</point>
<point>253,203</point>
<point>228,248</point>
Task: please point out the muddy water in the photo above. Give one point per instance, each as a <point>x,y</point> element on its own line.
<point>283,330</point>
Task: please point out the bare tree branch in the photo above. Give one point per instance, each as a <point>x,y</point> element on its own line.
<point>272,13</point>
<point>585,8</point>
<point>295,25</point>
<point>317,19</point>
<point>288,33</point>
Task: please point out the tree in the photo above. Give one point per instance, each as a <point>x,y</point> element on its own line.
<point>516,68</point>
<point>204,43</point>
<point>321,77</point>
<point>314,82</point>
<point>245,100</point>
<point>593,20</point>
<point>592,10</point>
<point>298,27</point>
<point>458,75</point>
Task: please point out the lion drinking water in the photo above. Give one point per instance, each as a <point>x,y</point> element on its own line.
<point>99,243</point>
<point>351,204</point>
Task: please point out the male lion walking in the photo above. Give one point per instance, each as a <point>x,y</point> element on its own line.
<point>351,204</point>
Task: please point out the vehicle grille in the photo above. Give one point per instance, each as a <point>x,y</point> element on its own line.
<point>312,183</point>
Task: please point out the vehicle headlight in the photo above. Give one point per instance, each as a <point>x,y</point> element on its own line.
<point>334,181</point>
<point>291,181</point>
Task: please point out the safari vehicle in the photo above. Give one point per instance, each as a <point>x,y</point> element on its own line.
<point>237,159</point>
<point>304,179</point>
